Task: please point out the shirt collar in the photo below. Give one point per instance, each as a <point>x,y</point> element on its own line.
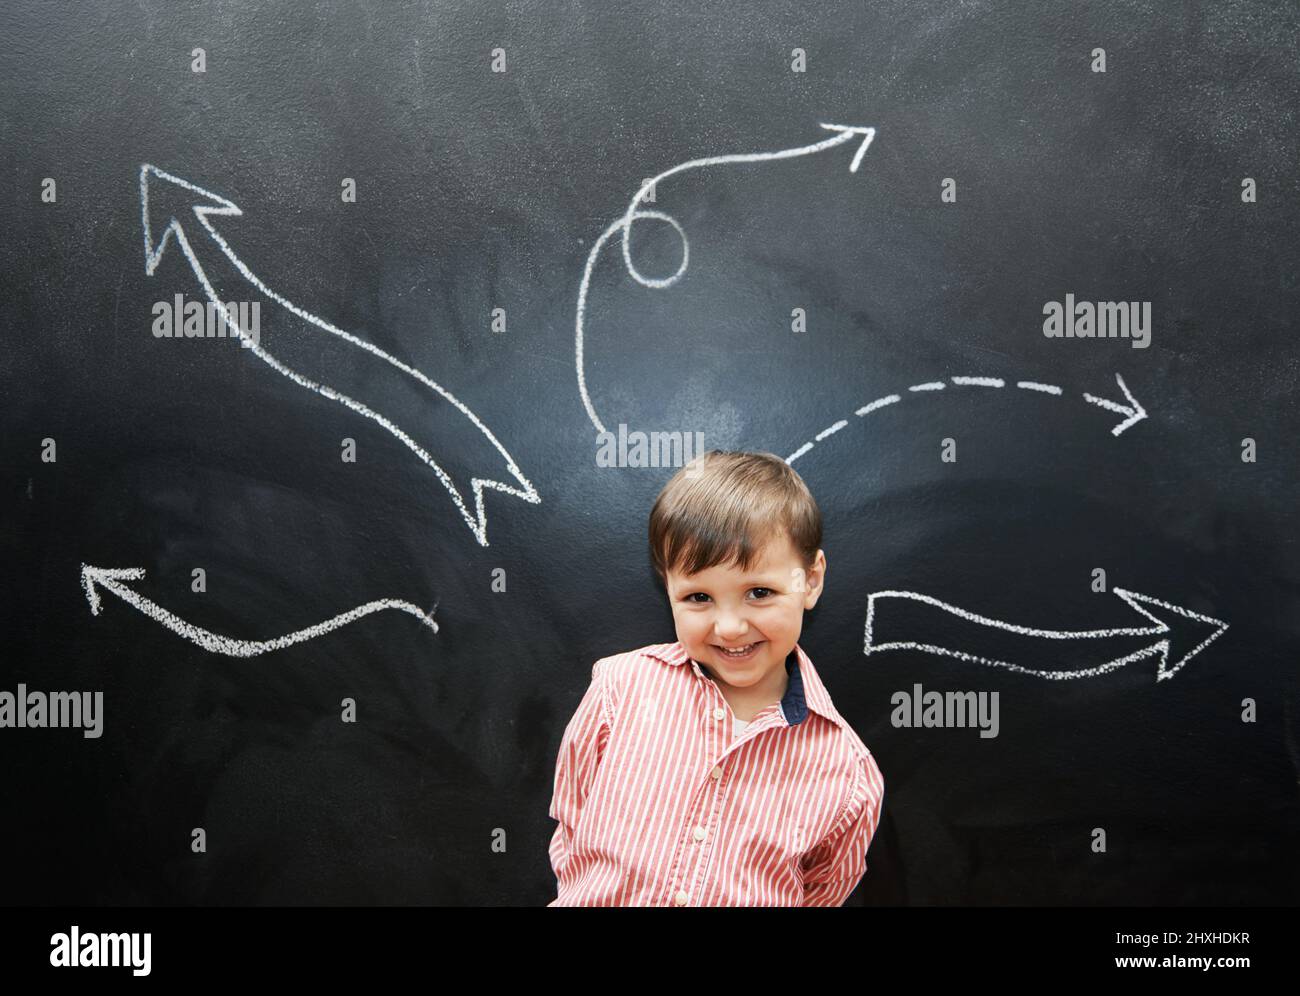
<point>804,691</point>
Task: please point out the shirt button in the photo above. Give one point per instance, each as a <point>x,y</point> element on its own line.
<point>699,833</point>
<point>716,773</point>
<point>718,713</point>
<point>680,897</point>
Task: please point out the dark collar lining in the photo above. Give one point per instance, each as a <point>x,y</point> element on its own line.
<point>793,704</point>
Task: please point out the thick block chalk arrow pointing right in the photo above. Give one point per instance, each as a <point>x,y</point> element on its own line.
<point>942,618</point>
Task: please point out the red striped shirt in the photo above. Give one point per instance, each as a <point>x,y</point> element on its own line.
<point>659,803</point>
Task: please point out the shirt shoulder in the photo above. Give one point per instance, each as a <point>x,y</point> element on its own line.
<point>866,770</point>
<point>867,784</point>
<point>860,750</point>
<point>618,672</point>
<point>619,665</point>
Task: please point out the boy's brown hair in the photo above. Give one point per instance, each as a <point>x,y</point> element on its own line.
<point>724,506</point>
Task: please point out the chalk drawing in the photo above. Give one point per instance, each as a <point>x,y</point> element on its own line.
<point>1030,385</point>
<point>112,578</point>
<point>844,133</point>
<point>153,251</point>
<point>1133,411</point>
<point>1161,648</point>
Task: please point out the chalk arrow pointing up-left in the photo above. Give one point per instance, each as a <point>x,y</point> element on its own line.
<point>112,579</point>
<point>164,217</point>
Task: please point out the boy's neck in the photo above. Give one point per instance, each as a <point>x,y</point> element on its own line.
<point>747,704</point>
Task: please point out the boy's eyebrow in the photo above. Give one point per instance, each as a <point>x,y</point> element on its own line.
<point>768,579</point>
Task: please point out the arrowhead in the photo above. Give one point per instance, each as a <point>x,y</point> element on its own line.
<point>867,133</point>
<point>1184,633</point>
<point>166,201</point>
<point>109,578</point>
<point>1133,411</point>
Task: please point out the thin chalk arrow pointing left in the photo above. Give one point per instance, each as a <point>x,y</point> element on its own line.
<point>204,204</point>
<point>928,615</point>
<point>112,579</point>
<point>843,134</point>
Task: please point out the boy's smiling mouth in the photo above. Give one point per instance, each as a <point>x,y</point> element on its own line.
<point>749,650</point>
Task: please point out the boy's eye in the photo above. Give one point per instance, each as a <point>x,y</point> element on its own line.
<point>691,596</point>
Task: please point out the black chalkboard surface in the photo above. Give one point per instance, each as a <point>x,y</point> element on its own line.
<point>1013,287</point>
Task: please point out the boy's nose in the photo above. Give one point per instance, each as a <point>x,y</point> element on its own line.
<point>731,620</point>
<point>732,631</point>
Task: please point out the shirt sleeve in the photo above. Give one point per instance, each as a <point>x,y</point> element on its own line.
<point>581,750</point>
<point>833,869</point>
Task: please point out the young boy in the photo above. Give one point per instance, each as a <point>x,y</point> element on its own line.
<point>715,771</point>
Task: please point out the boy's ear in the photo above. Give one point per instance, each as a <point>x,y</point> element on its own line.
<point>814,580</point>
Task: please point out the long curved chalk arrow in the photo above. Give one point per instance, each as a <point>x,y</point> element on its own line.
<point>112,578</point>
<point>844,133</point>
<point>153,251</point>
<point>1133,411</point>
<point>893,602</point>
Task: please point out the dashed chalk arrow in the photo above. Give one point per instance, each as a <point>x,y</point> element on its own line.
<point>1134,411</point>
<point>214,205</point>
<point>112,579</point>
<point>925,614</point>
<point>844,134</point>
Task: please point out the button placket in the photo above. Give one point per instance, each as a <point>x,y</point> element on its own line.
<point>701,842</point>
<point>691,864</point>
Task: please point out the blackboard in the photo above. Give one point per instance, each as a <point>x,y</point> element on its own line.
<point>869,300</point>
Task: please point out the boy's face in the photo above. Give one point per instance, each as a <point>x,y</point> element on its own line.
<point>724,606</point>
